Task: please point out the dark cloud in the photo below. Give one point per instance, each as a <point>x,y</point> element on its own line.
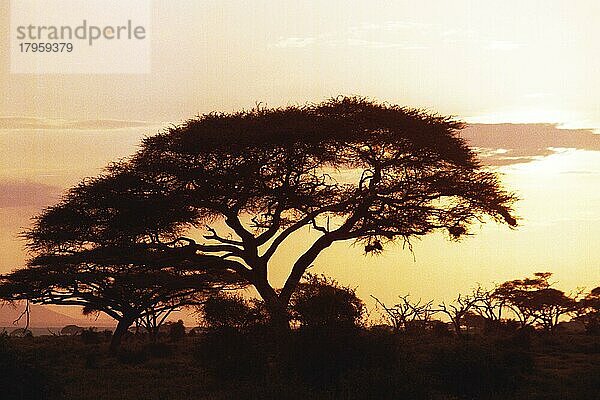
<point>505,144</point>
<point>27,194</point>
<point>42,123</point>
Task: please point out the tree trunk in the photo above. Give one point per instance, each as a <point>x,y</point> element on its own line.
<point>457,329</point>
<point>275,305</point>
<point>279,317</point>
<point>121,329</point>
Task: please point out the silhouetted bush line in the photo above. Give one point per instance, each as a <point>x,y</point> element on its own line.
<point>314,362</point>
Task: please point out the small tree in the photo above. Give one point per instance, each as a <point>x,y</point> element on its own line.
<point>533,300</point>
<point>459,309</point>
<point>588,311</point>
<point>125,293</point>
<point>406,313</point>
<point>518,295</point>
<point>491,305</point>
<point>548,305</point>
<point>322,302</point>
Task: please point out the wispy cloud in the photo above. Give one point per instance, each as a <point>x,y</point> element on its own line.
<point>402,35</point>
<point>386,35</point>
<point>13,123</point>
<point>27,194</point>
<point>505,144</point>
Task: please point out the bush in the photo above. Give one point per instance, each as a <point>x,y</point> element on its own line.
<point>232,311</point>
<point>176,331</point>
<point>319,301</point>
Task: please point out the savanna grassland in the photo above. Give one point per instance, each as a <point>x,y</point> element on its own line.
<point>310,363</point>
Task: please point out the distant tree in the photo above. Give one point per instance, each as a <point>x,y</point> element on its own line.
<point>533,300</point>
<point>461,307</point>
<point>517,295</point>
<point>406,313</point>
<point>322,302</point>
<point>346,169</point>
<point>588,311</point>
<point>124,293</point>
<point>490,305</point>
<point>549,304</point>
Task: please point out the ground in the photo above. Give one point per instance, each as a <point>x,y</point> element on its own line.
<point>314,365</point>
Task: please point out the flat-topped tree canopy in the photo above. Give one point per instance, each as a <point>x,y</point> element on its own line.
<point>379,172</point>
<point>118,207</point>
<point>271,163</point>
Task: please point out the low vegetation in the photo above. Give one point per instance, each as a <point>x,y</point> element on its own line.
<point>333,352</point>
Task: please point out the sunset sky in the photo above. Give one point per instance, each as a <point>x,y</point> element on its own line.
<point>523,73</point>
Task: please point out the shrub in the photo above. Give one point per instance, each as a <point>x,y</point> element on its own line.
<point>319,301</point>
<point>232,311</point>
<point>177,331</point>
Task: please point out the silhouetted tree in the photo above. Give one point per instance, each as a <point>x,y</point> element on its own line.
<point>322,302</point>
<point>491,307</point>
<point>516,294</point>
<point>111,246</point>
<point>462,306</point>
<point>125,293</point>
<point>346,169</point>
<point>407,313</point>
<point>534,300</point>
<point>588,311</point>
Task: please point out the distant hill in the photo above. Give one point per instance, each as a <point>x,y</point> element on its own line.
<point>43,316</point>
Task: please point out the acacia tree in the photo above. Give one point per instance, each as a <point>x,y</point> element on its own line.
<point>349,169</point>
<point>588,311</point>
<point>534,300</point>
<point>517,295</point>
<point>112,246</point>
<point>490,305</point>
<point>407,313</point>
<point>126,293</point>
<point>462,307</point>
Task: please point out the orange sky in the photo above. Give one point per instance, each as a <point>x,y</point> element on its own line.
<point>509,62</point>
